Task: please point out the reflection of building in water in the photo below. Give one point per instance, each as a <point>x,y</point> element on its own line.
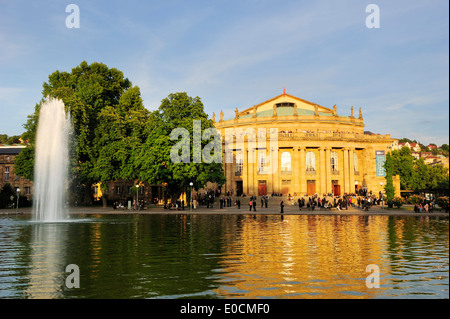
<point>306,257</point>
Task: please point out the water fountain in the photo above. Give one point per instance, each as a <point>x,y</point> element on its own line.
<point>51,162</point>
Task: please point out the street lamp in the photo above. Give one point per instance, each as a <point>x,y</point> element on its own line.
<point>382,196</point>
<point>190,206</point>
<point>18,191</point>
<point>137,196</point>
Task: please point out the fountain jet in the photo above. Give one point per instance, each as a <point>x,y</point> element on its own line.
<point>51,162</point>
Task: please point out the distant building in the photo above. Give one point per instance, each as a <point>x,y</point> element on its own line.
<point>414,147</point>
<point>8,154</point>
<point>123,191</point>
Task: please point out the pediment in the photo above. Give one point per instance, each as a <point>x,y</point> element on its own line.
<point>283,103</point>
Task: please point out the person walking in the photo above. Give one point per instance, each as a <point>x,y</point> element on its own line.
<point>281,207</point>
<point>250,204</point>
<point>254,204</point>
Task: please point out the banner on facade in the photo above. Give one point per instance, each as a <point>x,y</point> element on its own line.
<point>380,159</point>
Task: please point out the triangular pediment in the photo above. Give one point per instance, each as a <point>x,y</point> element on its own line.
<point>283,102</point>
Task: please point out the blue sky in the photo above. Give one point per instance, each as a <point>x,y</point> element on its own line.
<point>240,53</point>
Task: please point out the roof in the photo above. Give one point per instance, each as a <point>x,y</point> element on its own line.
<point>10,150</point>
<point>285,107</point>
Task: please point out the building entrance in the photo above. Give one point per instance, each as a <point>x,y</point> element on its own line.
<point>262,188</point>
<point>336,188</point>
<point>239,188</point>
<point>311,187</point>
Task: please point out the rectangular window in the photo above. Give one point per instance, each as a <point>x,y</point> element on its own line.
<point>6,173</point>
<point>27,190</point>
<point>117,189</point>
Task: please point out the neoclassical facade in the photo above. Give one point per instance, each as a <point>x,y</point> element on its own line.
<point>287,145</point>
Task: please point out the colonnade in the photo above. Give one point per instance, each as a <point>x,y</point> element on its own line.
<point>277,181</point>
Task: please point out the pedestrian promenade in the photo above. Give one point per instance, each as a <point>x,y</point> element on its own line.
<point>244,210</point>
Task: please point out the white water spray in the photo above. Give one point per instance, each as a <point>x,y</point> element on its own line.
<point>51,162</point>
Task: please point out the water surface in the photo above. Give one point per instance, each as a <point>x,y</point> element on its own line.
<point>225,256</point>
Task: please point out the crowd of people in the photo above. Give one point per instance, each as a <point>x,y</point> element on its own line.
<point>425,207</point>
<point>136,205</point>
<point>325,202</point>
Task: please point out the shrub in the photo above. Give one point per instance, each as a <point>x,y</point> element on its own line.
<point>397,201</point>
<point>415,199</point>
<point>443,202</point>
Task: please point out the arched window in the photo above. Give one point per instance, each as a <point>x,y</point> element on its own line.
<point>285,162</point>
<point>310,161</point>
<point>334,162</point>
<point>239,163</point>
<point>355,161</point>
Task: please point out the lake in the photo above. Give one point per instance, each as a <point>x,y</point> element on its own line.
<point>225,256</point>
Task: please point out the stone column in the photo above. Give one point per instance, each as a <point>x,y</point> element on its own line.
<point>302,174</point>
<point>351,156</point>
<point>295,163</point>
<point>276,171</point>
<point>346,172</point>
<point>245,171</point>
<point>251,171</point>
<point>255,173</point>
<point>230,173</point>
<point>328,169</point>
<point>322,188</point>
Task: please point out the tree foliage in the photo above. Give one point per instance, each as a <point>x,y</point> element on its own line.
<point>154,163</point>
<point>415,174</point>
<point>115,137</point>
<point>99,99</point>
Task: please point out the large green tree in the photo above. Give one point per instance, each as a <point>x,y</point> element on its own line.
<point>415,174</point>
<point>107,115</point>
<point>154,162</point>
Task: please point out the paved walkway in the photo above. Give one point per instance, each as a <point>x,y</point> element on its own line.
<point>271,210</point>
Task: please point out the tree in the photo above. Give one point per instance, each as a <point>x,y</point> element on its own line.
<point>102,102</point>
<point>415,174</point>
<point>3,138</point>
<point>5,195</point>
<point>403,165</point>
<point>438,177</point>
<point>154,162</point>
<point>420,175</point>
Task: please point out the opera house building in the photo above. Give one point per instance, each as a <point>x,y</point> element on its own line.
<point>287,145</point>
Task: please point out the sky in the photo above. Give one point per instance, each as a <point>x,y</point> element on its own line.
<point>241,53</point>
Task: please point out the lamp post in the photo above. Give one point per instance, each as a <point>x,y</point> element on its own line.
<point>382,196</point>
<point>137,196</point>
<point>190,205</point>
<point>18,191</point>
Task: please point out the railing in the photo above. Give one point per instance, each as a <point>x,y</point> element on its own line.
<point>332,135</point>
